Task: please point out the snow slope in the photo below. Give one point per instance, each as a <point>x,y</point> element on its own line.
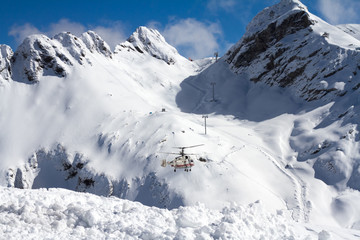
<point>74,115</point>
<point>352,29</point>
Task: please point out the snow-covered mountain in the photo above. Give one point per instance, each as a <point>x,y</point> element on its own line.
<point>282,126</point>
<point>98,108</point>
<point>287,46</point>
<point>149,41</point>
<point>291,62</point>
<point>296,78</point>
<point>39,55</point>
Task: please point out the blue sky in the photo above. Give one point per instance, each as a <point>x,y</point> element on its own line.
<point>197,28</point>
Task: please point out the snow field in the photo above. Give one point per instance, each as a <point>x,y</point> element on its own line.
<point>62,214</point>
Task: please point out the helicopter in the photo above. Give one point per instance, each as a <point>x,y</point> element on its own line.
<point>183,161</point>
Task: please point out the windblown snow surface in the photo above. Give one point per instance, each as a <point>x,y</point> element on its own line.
<point>61,214</point>
<point>75,115</point>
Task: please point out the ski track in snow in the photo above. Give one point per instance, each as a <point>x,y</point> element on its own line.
<point>301,210</point>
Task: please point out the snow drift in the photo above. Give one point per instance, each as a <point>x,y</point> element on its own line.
<point>60,214</point>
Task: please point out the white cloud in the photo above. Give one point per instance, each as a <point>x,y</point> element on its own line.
<point>339,11</point>
<point>195,39</point>
<point>112,32</point>
<point>65,25</point>
<point>21,32</point>
<point>154,25</point>
<point>215,5</point>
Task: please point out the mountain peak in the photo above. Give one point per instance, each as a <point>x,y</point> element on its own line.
<point>96,44</point>
<point>149,41</point>
<point>146,35</point>
<point>40,55</point>
<point>268,28</point>
<point>287,46</point>
<point>276,13</point>
<point>36,54</point>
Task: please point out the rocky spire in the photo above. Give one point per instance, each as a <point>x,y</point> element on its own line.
<point>5,67</point>
<point>149,41</point>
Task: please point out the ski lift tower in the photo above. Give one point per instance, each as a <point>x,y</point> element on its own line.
<point>216,54</point>
<point>205,117</point>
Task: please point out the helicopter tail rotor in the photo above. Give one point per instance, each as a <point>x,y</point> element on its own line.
<point>201,159</point>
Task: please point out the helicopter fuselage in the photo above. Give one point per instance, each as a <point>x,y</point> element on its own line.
<point>182,162</point>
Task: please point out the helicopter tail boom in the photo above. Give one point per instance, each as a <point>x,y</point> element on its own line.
<point>163,163</point>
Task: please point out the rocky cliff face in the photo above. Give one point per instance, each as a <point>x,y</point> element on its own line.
<point>71,171</point>
<point>287,46</point>
<point>5,66</point>
<point>40,55</point>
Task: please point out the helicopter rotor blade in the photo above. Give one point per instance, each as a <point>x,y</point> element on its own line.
<point>189,146</point>
<point>169,153</point>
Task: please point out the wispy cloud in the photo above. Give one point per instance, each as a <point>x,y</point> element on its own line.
<point>154,25</point>
<point>65,25</point>
<point>340,11</point>
<point>22,31</point>
<point>194,38</point>
<point>112,31</point>
<point>215,5</point>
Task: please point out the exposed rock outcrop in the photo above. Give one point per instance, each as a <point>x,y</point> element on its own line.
<point>287,46</point>
<point>40,55</point>
<point>57,168</point>
<point>96,44</point>
<point>149,41</point>
<point>5,66</point>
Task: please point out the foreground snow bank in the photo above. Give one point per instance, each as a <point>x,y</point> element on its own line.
<point>62,214</point>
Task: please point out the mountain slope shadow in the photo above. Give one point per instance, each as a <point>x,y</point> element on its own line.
<point>220,91</point>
